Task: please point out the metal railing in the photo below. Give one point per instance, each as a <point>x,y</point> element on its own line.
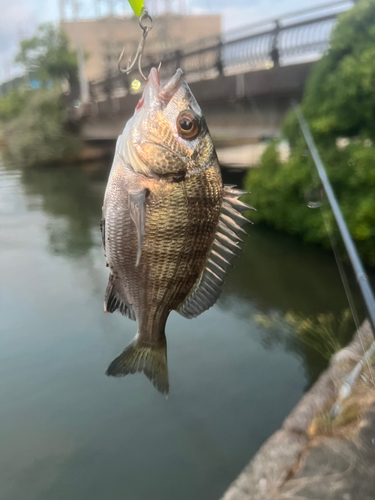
<point>294,38</point>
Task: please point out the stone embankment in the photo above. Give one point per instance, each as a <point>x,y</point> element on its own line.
<point>314,456</point>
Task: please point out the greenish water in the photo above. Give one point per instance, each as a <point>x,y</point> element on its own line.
<point>69,432</point>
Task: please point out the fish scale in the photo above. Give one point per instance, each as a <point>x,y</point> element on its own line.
<point>173,265</point>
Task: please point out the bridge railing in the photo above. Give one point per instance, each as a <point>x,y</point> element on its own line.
<point>299,37</point>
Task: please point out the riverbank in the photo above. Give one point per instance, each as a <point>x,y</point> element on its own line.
<point>312,456</point>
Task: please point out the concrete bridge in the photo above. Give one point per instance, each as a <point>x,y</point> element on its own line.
<point>244,81</point>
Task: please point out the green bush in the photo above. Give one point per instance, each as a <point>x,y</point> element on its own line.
<point>12,104</point>
<point>38,134</point>
<point>339,102</point>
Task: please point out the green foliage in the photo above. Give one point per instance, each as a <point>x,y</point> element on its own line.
<point>339,101</point>
<point>47,55</point>
<point>38,134</point>
<point>340,96</point>
<point>12,104</point>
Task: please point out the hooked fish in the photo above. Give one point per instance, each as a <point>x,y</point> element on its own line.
<point>170,227</point>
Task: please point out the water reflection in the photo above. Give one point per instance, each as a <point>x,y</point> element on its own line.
<point>72,198</point>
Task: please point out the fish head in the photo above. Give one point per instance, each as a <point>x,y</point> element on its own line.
<point>168,135</point>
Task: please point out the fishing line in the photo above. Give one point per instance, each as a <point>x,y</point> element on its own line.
<point>341,269</point>
<point>349,381</point>
<point>362,279</point>
<point>344,278</point>
<point>342,273</point>
<point>347,240</point>
<point>348,293</point>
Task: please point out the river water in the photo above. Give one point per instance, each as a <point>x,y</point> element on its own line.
<point>68,431</point>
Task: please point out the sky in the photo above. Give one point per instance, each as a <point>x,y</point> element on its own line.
<point>19,18</point>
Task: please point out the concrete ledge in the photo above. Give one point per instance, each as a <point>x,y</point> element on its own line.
<point>282,458</point>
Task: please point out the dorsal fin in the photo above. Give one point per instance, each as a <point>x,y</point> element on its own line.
<point>225,246</point>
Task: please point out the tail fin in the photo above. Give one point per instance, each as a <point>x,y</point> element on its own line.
<point>140,357</point>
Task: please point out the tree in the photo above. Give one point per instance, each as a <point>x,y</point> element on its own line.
<point>339,102</point>
<point>48,56</point>
<point>34,120</point>
<point>340,98</point>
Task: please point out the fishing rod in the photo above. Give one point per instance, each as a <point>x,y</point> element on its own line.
<point>355,260</point>
<point>362,279</point>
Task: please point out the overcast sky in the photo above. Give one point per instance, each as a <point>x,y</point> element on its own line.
<point>19,18</point>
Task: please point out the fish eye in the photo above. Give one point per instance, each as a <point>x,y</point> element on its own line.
<point>188,126</point>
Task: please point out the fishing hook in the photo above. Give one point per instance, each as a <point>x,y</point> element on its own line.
<point>146,23</point>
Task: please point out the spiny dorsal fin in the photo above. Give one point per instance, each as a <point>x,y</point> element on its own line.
<point>225,246</point>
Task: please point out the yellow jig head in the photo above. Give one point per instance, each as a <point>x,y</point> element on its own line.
<point>137,6</point>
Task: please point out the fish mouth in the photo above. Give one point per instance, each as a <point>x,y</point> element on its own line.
<point>165,93</point>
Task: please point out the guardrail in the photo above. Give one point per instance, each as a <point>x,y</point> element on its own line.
<point>299,37</point>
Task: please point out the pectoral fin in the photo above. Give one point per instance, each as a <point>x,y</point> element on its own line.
<point>137,209</point>
<point>102,230</point>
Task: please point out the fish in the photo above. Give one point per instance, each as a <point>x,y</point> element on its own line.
<point>170,227</point>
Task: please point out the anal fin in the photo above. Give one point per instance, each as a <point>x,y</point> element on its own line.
<point>114,301</point>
